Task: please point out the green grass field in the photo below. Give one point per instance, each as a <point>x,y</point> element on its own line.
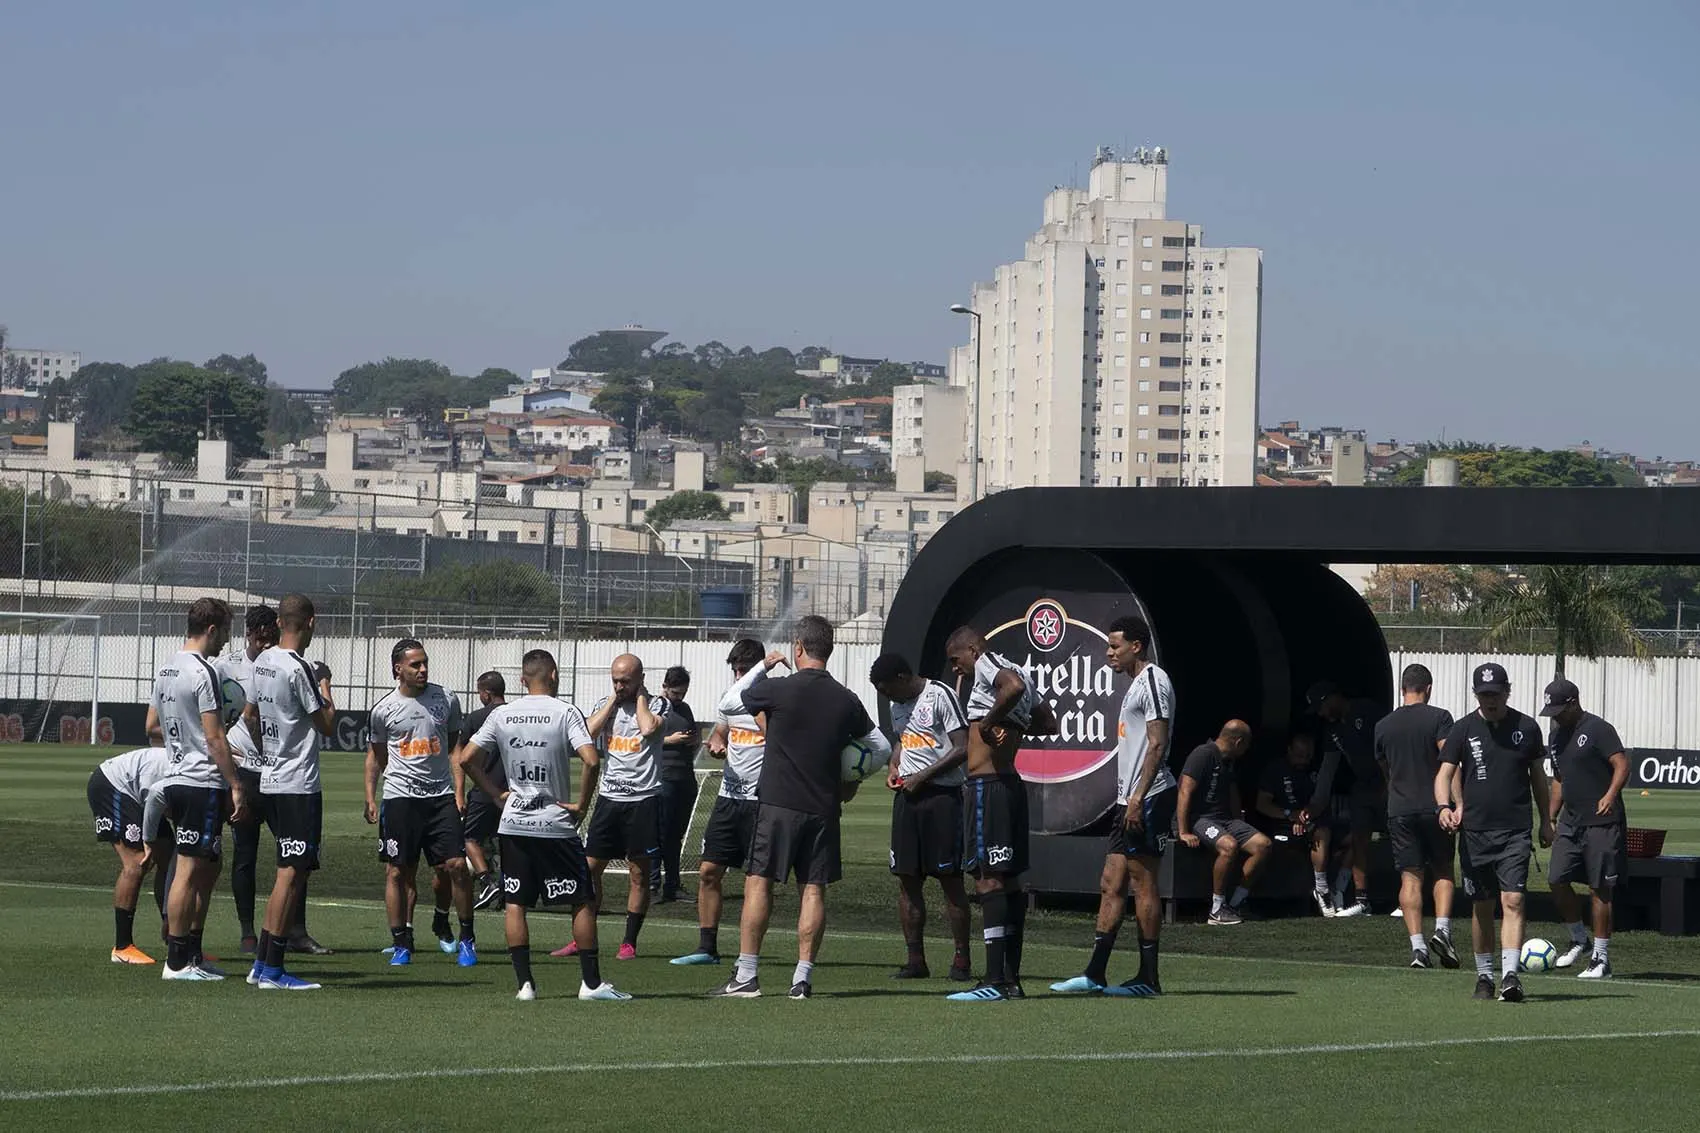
<point>1269,1025</point>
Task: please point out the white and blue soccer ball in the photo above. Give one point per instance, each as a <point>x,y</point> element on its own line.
<point>1538,955</point>
<point>860,761</point>
<point>232,700</point>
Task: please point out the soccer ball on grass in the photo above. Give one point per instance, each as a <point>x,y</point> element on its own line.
<point>1538,955</point>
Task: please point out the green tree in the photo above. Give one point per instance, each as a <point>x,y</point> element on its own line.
<point>101,395</point>
<point>603,351</point>
<point>1586,610</point>
<point>419,386</point>
<point>176,403</point>
<point>685,505</point>
<point>1483,467</point>
<point>500,586</point>
<point>247,366</point>
<point>287,420</point>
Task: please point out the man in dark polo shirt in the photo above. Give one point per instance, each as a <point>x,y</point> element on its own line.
<point>810,720</point>
<point>678,783</point>
<point>1208,812</point>
<point>1589,769</point>
<point>1407,744</point>
<point>1347,737</point>
<point>1490,767</point>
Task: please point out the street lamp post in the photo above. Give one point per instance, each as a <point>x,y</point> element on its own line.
<point>974,431</point>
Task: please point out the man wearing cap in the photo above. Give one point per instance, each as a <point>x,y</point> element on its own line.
<point>1490,766</point>
<point>1588,768</point>
<point>1347,735</point>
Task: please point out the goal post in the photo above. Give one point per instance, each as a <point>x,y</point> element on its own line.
<point>50,678</point>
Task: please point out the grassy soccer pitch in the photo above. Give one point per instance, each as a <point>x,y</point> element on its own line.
<point>1268,1025</point>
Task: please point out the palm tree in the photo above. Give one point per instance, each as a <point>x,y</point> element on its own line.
<point>1587,609</point>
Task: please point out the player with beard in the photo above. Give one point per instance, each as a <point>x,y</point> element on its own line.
<point>543,861</point>
<point>1490,767</point>
<point>1284,795</point>
<point>740,739</point>
<point>1002,707</point>
<point>412,744</point>
<point>480,815</point>
<point>1145,787</point>
<point>1589,769</point>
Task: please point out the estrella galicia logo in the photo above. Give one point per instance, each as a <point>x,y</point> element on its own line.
<point>1046,624</point>
<point>554,889</point>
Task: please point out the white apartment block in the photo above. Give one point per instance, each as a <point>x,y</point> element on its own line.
<point>927,421</point>
<point>42,366</point>
<point>1119,351</point>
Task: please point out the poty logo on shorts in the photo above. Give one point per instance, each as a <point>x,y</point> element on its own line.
<point>188,837</point>
<point>291,848</point>
<point>553,888</point>
<point>103,826</point>
<point>510,884</point>
<point>998,855</point>
<point>1045,625</point>
<point>392,848</point>
<point>132,833</point>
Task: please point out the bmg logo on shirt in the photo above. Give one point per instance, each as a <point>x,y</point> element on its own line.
<point>625,745</point>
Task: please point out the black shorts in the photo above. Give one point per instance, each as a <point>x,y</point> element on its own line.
<point>198,815</point>
<point>297,823</point>
<point>1420,843</point>
<point>627,830</point>
<point>926,832</point>
<point>994,826</point>
<point>1596,856</point>
<point>731,831</point>
<point>117,816</point>
<point>1211,829</point>
<point>545,871</point>
<point>1494,861</point>
<point>792,842</point>
<point>482,817</point>
<point>1154,834</point>
<point>408,826</point>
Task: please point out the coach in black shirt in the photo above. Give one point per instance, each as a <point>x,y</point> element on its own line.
<point>1490,767</point>
<point>810,720</point>
<point>678,782</point>
<point>1407,745</point>
<point>1589,769</point>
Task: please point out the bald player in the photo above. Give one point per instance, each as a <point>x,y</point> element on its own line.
<point>627,726</point>
<point>543,861</point>
<point>1208,811</point>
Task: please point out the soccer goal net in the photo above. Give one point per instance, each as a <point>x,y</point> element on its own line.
<point>690,851</point>
<point>50,678</point>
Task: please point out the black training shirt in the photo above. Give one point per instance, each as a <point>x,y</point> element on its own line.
<point>1496,759</point>
<point>678,761</point>
<point>810,719</point>
<point>1215,778</point>
<point>1351,740</point>
<point>493,768</point>
<point>1291,790</point>
<point>1581,760</point>
<point>1409,743</point>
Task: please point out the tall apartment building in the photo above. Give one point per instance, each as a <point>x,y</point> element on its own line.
<point>39,367</point>
<point>1119,351</point>
<point>927,422</point>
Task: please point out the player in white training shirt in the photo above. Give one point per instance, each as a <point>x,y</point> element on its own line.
<point>411,745</point>
<point>543,861</point>
<point>739,738</point>
<point>117,791</point>
<point>291,709</point>
<point>261,624</point>
<point>1145,788</point>
<point>200,790</point>
<point>628,726</point>
<point>926,812</point>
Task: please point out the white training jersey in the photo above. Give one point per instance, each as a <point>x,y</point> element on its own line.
<point>1150,697</point>
<point>134,772</point>
<point>240,669</point>
<point>631,762</point>
<point>183,690</point>
<point>286,695</point>
<point>745,741</point>
<point>417,734</point>
<point>923,728</point>
<point>982,694</point>
<point>536,737</point>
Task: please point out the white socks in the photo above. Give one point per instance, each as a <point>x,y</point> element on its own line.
<point>1216,902</point>
<point>804,969</point>
<point>1443,924</point>
<point>1417,943</point>
<point>1602,948</point>
<point>1321,880</point>
<point>1508,961</point>
<point>1578,933</point>
<point>746,970</point>
<point>1484,964</point>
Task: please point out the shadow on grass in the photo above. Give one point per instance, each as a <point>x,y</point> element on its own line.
<point>369,982</point>
<point>1572,997</point>
<point>1234,993</point>
<point>1664,977</point>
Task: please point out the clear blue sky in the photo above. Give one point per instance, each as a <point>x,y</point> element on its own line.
<point>1482,222</point>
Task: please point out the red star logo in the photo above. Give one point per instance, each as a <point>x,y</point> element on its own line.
<point>1047,627</point>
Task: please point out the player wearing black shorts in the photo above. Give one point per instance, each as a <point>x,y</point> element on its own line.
<point>810,718</point>
<point>926,779</point>
<point>1407,745</point>
<point>1490,766</point>
<point>479,813</point>
<point>412,732</point>
<point>117,791</point>
<point>1144,826</point>
<point>1284,795</point>
<point>200,790</point>
<point>1347,738</point>
<point>1588,768</point>
<point>738,738</point>
<point>543,861</point>
<point>629,727</point>
<point>1208,812</point>
<point>261,628</point>
<point>1002,707</point>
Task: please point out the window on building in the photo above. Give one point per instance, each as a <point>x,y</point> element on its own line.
<point>1121,241</point>
<point>1115,458</point>
<point>1121,361</point>
<point>185,493</point>
<point>1168,411</point>
<point>1204,338</point>
<point>1170,362</point>
<point>1168,434</point>
<point>1174,265</point>
<point>639,505</point>
<point>1141,458</point>
<point>1143,434</point>
<point>1145,361</point>
<point>1121,265</point>
<point>1146,265</point>
<point>1168,387</point>
<point>1145,312</point>
<point>1144,410</point>
<point>1145,241</point>
<point>1168,458</point>
<point>945,515</point>
<point>1118,432</point>
<point>1204,434</point>
<point>1118,409</point>
<point>1169,336</point>
<point>1099,262</point>
<point>1173,289</point>
<point>1171,313</point>
<point>234,494</point>
<point>1121,289</point>
<point>1121,336</point>
<point>1174,241</point>
<point>1145,289</point>
<point>507,536</point>
<point>1121,312</point>
<point>1208,267</point>
<point>1144,385</point>
<point>1145,336</point>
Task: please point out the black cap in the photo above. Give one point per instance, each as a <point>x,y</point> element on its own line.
<point>1320,692</point>
<point>1561,694</point>
<point>1490,677</point>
